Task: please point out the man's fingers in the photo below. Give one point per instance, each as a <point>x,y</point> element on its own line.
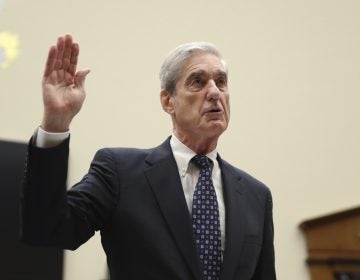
<point>60,52</point>
<point>62,57</point>
<point>67,52</point>
<point>73,58</point>
<point>50,62</point>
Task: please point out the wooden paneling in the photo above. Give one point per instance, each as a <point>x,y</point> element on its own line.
<point>333,244</point>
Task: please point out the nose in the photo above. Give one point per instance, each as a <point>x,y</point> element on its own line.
<point>213,91</point>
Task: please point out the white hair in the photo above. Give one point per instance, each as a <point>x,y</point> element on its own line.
<point>171,68</point>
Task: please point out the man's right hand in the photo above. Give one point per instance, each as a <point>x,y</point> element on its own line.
<point>62,86</point>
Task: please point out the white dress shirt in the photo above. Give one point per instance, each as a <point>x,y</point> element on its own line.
<point>44,139</point>
<point>189,174</point>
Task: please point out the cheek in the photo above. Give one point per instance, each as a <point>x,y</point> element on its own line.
<point>226,103</point>
<point>185,109</point>
<point>188,105</point>
<point>192,105</point>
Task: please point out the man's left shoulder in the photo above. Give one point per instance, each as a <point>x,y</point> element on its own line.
<point>244,177</point>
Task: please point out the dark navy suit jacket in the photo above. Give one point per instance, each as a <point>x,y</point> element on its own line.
<point>135,198</point>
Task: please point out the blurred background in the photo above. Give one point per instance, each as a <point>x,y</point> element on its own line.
<point>294,91</point>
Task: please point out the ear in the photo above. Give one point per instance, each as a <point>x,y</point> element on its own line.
<point>166,101</point>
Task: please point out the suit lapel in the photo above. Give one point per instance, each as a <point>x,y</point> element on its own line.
<point>163,177</point>
<point>235,205</point>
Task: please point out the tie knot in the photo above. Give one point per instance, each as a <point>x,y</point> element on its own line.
<point>201,161</point>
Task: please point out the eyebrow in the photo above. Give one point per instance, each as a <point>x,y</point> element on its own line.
<point>196,74</point>
<point>222,74</point>
<point>201,73</point>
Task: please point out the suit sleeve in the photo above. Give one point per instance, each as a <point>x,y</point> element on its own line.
<point>53,216</point>
<point>265,269</point>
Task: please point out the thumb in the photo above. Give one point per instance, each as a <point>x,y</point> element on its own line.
<point>80,76</point>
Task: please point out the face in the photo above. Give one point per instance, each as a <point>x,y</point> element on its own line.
<point>200,105</point>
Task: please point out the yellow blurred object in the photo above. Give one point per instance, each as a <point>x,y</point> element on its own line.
<point>9,48</point>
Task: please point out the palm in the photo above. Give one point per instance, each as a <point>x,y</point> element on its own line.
<point>61,95</point>
<point>63,87</point>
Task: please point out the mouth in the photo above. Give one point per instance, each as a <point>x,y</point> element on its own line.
<point>213,110</point>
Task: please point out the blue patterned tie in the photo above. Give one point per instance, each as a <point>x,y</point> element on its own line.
<point>206,223</point>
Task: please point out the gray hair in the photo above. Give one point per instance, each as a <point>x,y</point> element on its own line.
<point>171,68</point>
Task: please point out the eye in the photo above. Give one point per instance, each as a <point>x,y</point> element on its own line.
<point>197,83</point>
<point>221,82</point>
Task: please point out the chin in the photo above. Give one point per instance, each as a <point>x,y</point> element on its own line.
<point>217,128</point>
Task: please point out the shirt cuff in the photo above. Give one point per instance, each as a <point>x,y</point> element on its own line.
<point>46,139</point>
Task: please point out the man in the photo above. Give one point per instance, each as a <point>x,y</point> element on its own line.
<point>157,220</point>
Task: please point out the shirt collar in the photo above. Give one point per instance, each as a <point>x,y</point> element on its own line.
<point>183,154</point>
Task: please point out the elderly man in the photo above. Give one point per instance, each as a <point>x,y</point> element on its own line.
<point>176,211</point>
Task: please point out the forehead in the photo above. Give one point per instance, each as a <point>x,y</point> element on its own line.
<point>203,62</point>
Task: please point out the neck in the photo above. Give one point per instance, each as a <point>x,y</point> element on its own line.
<point>200,145</point>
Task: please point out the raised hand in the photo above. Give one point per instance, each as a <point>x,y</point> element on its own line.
<point>63,86</point>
